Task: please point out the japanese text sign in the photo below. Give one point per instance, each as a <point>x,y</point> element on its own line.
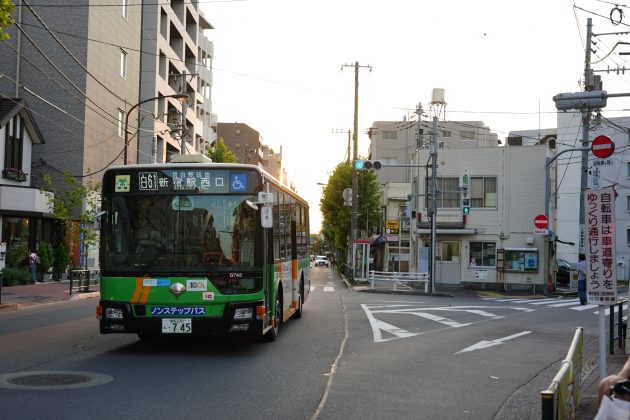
<point>601,277</point>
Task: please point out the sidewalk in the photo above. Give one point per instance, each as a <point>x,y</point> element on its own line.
<point>588,406</point>
<point>17,297</point>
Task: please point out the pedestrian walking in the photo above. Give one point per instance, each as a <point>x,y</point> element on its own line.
<point>581,269</point>
<point>32,265</point>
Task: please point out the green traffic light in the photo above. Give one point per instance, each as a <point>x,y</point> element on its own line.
<point>358,165</point>
<point>465,211</point>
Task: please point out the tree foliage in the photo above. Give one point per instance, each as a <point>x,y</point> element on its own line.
<point>75,206</point>
<point>336,215</point>
<point>221,153</point>
<point>6,8</point>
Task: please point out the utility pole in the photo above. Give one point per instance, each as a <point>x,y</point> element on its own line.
<point>586,120</point>
<point>433,212</point>
<point>339,131</point>
<point>415,189</point>
<point>184,108</point>
<point>355,154</point>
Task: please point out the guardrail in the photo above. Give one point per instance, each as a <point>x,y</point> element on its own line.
<point>398,280</point>
<point>563,396</point>
<point>616,334</point>
<point>80,280</point>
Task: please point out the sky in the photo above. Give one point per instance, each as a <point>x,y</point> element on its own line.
<point>278,68</point>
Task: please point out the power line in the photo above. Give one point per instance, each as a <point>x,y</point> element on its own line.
<point>61,44</point>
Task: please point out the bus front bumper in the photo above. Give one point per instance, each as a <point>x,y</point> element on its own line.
<point>237,318</point>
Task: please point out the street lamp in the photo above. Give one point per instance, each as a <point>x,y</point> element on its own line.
<point>182,97</point>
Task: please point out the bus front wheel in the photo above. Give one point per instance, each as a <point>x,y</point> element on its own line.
<point>273,333</point>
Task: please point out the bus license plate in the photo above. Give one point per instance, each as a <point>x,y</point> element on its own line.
<point>176,325</point>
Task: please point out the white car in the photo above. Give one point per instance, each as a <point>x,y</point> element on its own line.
<point>321,260</point>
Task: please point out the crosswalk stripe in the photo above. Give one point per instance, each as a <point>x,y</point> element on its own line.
<point>583,307</point>
<point>548,301</point>
<point>329,289</point>
<point>573,302</point>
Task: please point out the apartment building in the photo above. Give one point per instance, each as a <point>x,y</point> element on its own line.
<point>176,58</point>
<point>100,80</point>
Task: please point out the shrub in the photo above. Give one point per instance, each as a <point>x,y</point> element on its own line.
<point>44,252</point>
<point>12,276</point>
<point>16,256</point>
<point>60,260</point>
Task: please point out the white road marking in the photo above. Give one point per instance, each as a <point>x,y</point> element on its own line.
<point>423,312</point>
<point>485,344</point>
<point>583,307</point>
<point>378,325</point>
<point>329,289</point>
<point>572,302</point>
<point>312,288</point>
<point>548,301</point>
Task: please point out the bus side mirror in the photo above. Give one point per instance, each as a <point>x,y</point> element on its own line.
<point>266,217</point>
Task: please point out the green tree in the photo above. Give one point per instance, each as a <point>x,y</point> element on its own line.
<point>336,215</point>
<point>221,153</point>
<point>6,8</point>
<point>45,254</point>
<point>60,260</point>
<point>76,207</point>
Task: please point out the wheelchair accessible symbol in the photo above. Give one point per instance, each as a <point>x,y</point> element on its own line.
<point>238,182</point>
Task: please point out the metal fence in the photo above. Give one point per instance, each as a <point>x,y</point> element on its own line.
<point>83,280</point>
<point>563,396</point>
<point>398,281</point>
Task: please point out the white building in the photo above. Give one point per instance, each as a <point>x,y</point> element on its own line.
<point>602,173</point>
<point>494,247</point>
<point>24,212</point>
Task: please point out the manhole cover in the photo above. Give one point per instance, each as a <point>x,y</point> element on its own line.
<point>53,380</point>
<point>49,379</point>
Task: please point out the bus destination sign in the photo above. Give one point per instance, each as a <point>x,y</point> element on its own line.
<point>185,180</point>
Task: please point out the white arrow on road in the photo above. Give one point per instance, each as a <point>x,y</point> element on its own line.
<point>485,344</point>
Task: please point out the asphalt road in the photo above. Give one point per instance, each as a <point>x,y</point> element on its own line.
<point>351,355</point>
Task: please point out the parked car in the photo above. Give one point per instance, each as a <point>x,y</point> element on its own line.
<point>321,260</point>
<point>563,272</point>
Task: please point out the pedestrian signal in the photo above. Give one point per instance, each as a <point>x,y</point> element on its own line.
<point>466,206</point>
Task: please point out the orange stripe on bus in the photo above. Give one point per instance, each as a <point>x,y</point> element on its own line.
<point>136,293</point>
<point>294,269</point>
<point>145,295</point>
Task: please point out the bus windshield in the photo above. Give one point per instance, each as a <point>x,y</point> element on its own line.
<point>180,233</point>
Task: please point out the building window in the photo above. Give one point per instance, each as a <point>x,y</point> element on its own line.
<point>467,135</point>
<point>125,5</point>
<point>121,122</point>
<point>390,135</point>
<point>628,236</point>
<point>14,143</point>
<point>521,260</point>
<point>449,195</point>
<point>628,169</point>
<point>123,64</point>
<point>483,254</point>
<point>446,134</point>
<point>483,192</point>
<point>448,251</point>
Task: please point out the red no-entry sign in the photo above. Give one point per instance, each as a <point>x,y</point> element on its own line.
<point>541,221</point>
<point>602,147</point>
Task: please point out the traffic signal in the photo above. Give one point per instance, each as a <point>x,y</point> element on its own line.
<point>581,100</point>
<point>367,165</point>
<point>466,206</point>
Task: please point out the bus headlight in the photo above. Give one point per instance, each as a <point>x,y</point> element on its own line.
<point>243,313</point>
<point>114,313</point>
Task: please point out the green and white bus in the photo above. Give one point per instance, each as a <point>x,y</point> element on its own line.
<point>200,248</point>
